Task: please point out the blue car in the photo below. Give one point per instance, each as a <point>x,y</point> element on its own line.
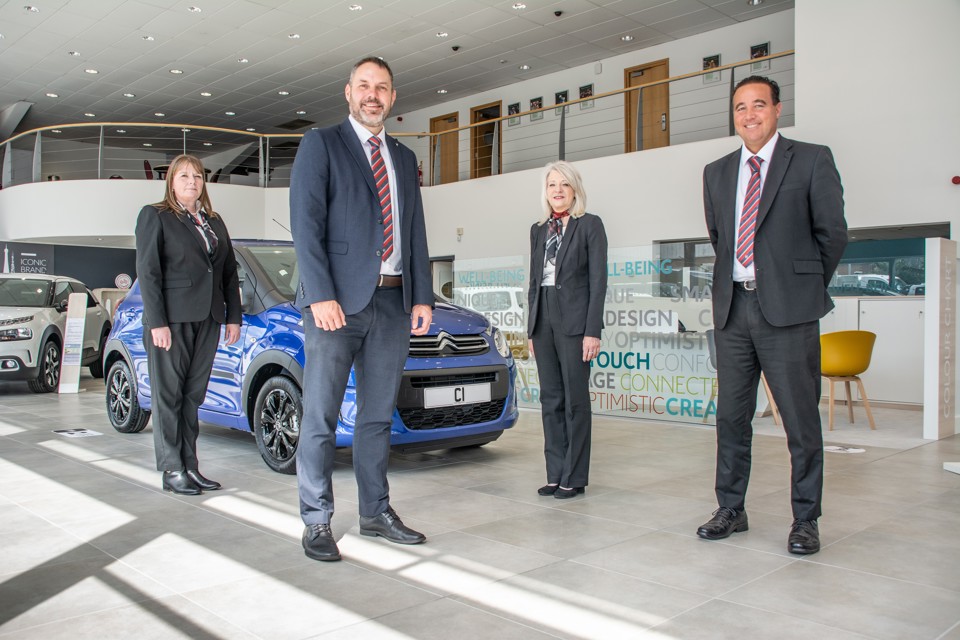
<point>457,388</point>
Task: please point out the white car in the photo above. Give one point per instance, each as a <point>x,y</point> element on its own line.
<point>33,318</point>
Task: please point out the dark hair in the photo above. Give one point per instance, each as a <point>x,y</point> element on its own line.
<point>774,87</point>
<point>380,62</point>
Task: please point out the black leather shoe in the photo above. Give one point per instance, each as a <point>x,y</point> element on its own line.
<point>548,489</point>
<point>204,483</point>
<point>180,482</point>
<point>723,523</point>
<point>318,543</point>
<point>562,494</point>
<point>389,526</point>
<point>804,537</point>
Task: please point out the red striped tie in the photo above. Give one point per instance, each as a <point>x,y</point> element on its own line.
<point>383,192</point>
<point>748,218</point>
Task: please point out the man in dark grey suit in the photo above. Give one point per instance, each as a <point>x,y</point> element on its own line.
<point>365,286</point>
<point>774,210</point>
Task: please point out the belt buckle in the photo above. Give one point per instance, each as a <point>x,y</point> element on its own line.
<point>749,285</point>
<point>380,281</point>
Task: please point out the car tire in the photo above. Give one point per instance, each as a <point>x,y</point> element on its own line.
<point>123,408</point>
<point>48,377</point>
<point>96,369</point>
<point>276,423</point>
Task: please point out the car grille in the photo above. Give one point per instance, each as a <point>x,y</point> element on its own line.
<point>444,344</point>
<point>424,382</point>
<point>4,323</point>
<point>441,417</point>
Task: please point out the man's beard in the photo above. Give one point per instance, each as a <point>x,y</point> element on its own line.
<point>368,120</point>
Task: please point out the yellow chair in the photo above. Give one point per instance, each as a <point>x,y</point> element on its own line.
<point>844,355</point>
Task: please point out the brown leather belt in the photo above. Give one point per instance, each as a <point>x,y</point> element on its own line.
<point>747,285</point>
<point>389,281</point>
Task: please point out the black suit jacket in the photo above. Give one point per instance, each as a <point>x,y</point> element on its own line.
<point>581,275</point>
<point>334,218</point>
<point>800,235</point>
<point>179,282</point>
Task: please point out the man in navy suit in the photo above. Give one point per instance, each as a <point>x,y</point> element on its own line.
<point>774,211</point>
<point>365,286</point>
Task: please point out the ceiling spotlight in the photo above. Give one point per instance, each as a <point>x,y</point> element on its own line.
<point>121,130</point>
<point>55,131</point>
<point>73,53</point>
<point>208,144</point>
<point>442,34</point>
<point>627,38</point>
<point>90,115</point>
<point>194,9</point>
<point>176,71</point>
<point>159,114</point>
<point>147,38</point>
<point>519,5</point>
<point>441,91</point>
<point>283,93</point>
<point>301,113</point>
<point>355,7</point>
<point>293,36</point>
<point>250,129</point>
<point>503,61</point>
<point>185,130</point>
<point>91,71</point>
<point>754,3</point>
<point>31,8</point>
<point>206,94</point>
<point>148,144</point>
<point>242,60</point>
<point>524,67</point>
<point>129,95</point>
<point>53,95</point>
<point>229,113</point>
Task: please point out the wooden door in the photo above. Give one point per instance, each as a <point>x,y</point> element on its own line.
<point>444,150</point>
<point>485,141</point>
<point>655,108</point>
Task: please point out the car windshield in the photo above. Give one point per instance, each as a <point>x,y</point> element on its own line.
<point>280,264</point>
<point>24,292</point>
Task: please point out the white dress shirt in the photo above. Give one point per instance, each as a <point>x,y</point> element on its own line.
<point>740,272</point>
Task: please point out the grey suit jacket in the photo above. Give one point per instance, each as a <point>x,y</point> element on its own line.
<point>800,236</point>
<point>335,221</point>
<point>581,276</point>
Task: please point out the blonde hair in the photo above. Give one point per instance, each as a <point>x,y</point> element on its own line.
<point>169,201</point>
<point>571,175</point>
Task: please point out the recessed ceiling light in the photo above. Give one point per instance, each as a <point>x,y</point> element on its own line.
<point>129,95</point>
<point>1,36</point>
<point>293,36</point>
<point>283,93</point>
<point>92,72</point>
<point>208,144</point>
<point>301,113</point>
<point>148,38</point>
<point>442,34</point>
<point>55,131</point>
<point>519,5</point>
<point>73,53</point>
<point>185,130</point>
<point>754,3</point>
<point>355,7</point>
<point>627,38</point>
<point>242,60</point>
<point>53,95</point>
<point>524,67</point>
<point>159,114</point>
<point>441,91</point>
<point>31,8</point>
<point>148,144</point>
<point>121,130</point>
<point>194,9</point>
<point>206,94</point>
<point>176,71</point>
<point>503,61</point>
<point>90,115</point>
<point>250,129</point>
<point>230,113</point>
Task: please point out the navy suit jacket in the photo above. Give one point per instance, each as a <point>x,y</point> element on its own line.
<point>800,235</point>
<point>335,221</point>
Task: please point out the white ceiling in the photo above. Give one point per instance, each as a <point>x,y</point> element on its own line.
<point>494,39</point>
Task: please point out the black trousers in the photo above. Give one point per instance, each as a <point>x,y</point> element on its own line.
<point>375,342</point>
<point>564,396</point>
<point>790,359</point>
<point>178,385</point>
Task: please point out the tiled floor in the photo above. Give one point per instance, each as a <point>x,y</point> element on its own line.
<point>91,548</point>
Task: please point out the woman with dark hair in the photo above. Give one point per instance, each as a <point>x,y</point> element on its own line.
<point>568,282</point>
<point>189,284</point>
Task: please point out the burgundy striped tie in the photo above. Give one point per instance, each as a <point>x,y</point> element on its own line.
<point>748,218</point>
<point>383,192</point>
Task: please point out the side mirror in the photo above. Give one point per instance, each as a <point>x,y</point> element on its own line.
<point>61,306</point>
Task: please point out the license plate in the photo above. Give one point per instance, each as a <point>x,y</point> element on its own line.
<point>452,396</point>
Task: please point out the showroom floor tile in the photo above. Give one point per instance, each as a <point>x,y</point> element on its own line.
<point>91,548</point>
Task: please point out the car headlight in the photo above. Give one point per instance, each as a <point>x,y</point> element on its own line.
<point>500,343</point>
<point>17,333</point>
